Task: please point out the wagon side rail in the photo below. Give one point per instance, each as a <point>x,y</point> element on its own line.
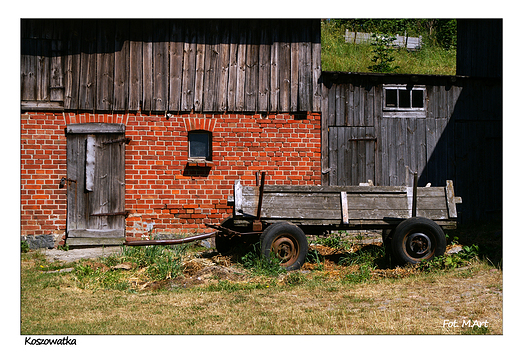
<point>345,206</point>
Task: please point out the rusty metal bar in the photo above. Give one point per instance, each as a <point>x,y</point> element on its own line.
<point>169,241</point>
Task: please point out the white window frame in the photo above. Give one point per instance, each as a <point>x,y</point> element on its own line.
<point>399,111</point>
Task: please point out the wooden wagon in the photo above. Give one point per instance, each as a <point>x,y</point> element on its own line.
<point>412,218</point>
<point>280,216</point>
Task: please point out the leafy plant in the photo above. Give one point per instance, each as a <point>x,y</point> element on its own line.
<point>451,261</point>
<point>24,247</point>
<point>383,54</point>
<point>260,265</point>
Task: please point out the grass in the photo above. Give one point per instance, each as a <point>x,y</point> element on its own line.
<point>350,292</point>
<point>336,55</point>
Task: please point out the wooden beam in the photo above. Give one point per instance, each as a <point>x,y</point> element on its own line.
<point>344,207</point>
<point>95,128</point>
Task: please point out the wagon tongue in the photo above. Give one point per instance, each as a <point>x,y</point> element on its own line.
<point>170,241</point>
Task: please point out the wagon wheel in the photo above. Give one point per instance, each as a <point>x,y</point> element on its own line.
<point>287,242</point>
<point>418,239</point>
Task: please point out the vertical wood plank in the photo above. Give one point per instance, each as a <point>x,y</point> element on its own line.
<point>384,146</point>
<point>343,169</point>
<point>251,69</point>
<point>28,69</point>
<point>56,64</point>
<point>401,151</point>
<point>377,103</point>
<point>87,89</point>
<point>147,66</point>
<point>340,105</point>
<point>135,80</point>
<point>233,66</point>
<point>223,67</point>
<point>189,60</point>
<point>325,137</point>
<point>43,65</point>
<point>264,66</point>
<point>316,65</point>
<point>294,79</point>
<point>176,56</point>
<point>333,156</point>
<point>105,65</point>
<point>241,68</point>
<point>121,66</point>
<point>304,70</point>
<point>421,155</point>
<point>210,66</point>
<point>275,69</point>
<point>161,56</point>
<point>285,69</point>
<point>72,65</point>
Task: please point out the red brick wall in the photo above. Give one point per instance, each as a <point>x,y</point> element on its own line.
<point>162,187</point>
<point>43,154</point>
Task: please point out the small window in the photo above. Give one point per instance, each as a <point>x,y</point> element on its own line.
<point>404,98</point>
<point>199,145</point>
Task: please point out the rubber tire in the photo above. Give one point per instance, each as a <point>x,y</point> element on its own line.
<point>425,232</point>
<point>292,238</point>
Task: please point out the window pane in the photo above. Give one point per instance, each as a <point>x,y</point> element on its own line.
<point>417,99</point>
<point>391,98</point>
<point>404,98</point>
<point>199,144</point>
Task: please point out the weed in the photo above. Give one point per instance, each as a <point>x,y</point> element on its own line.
<point>360,276</point>
<point>24,247</point>
<point>260,265</point>
<point>160,262</point>
<point>313,256</point>
<point>451,261</point>
<point>367,255</point>
<point>294,278</point>
<point>334,241</point>
<point>63,247</point>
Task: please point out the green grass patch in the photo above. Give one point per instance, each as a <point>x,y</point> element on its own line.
<point>337,55</point>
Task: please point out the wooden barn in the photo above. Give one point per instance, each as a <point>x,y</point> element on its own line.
<point>137,128</point>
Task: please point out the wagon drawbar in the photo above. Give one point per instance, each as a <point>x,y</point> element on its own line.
<point>413,219</point>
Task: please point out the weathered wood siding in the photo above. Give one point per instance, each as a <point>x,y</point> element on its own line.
<point>458,136</point>
<point>171,65</point>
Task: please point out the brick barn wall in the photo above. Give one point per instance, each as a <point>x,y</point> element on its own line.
<point>163,188</point>
<point>43,154</point>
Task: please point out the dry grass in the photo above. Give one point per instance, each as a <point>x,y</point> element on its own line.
<point>315,302</point>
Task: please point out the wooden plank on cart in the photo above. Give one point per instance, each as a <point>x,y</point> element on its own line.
<point>341,205</point>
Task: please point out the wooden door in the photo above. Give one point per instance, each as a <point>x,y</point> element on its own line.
<point>96,184</point>
<point>352,155</point>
